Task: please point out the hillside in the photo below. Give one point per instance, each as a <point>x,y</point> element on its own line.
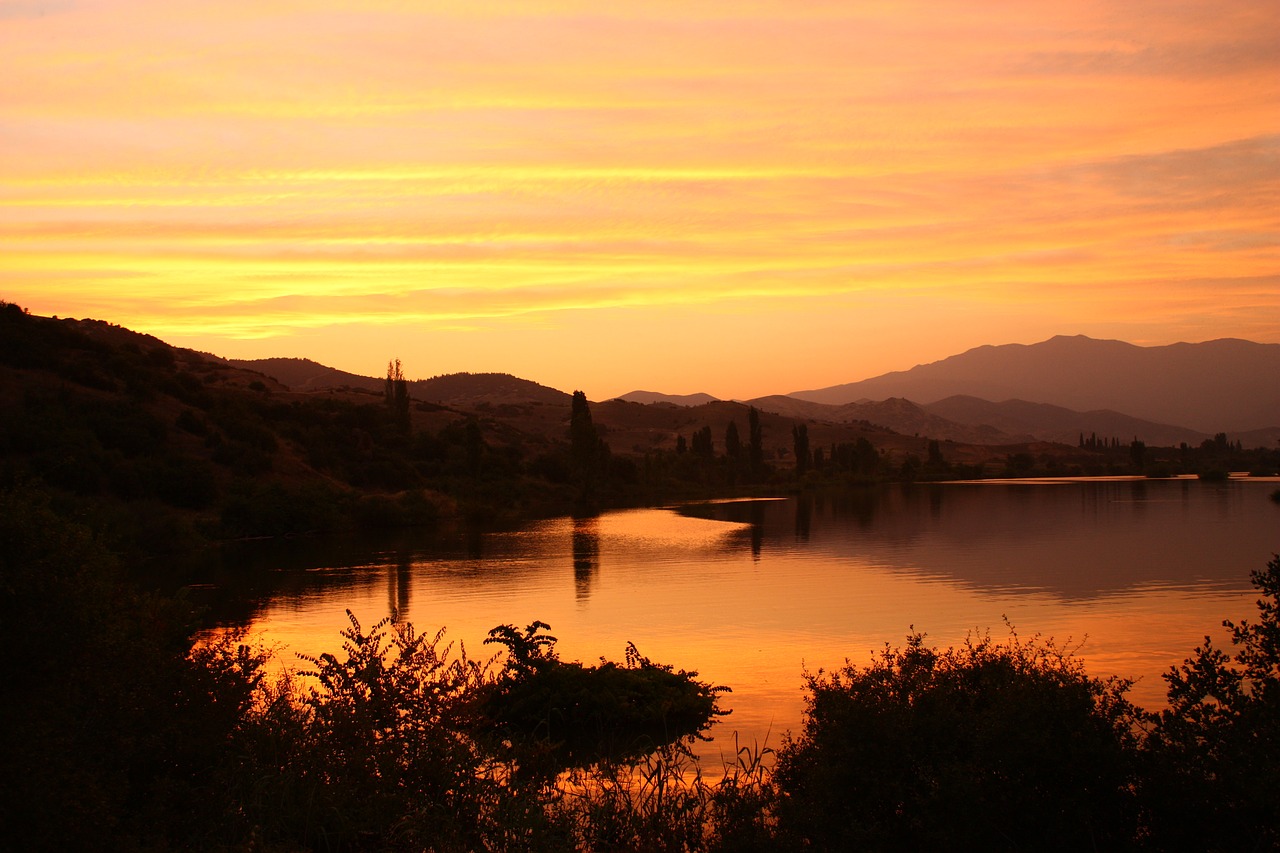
<point>171,447</point>
<point>1224,385</point>
<point>301,374</point>
<point>895,414</point>
<point>456,389</point>
<point>1055,423</point>
<point>495,389</point>
<point>636,428</point>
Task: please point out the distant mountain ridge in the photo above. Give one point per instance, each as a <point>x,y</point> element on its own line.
<point>901,416</point>
<point>1222,381</point>
<point>1056,423</point>
<point>647,397</point>
<point>1223,385</point>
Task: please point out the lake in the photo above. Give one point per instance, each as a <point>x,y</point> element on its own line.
<point>751,593</point>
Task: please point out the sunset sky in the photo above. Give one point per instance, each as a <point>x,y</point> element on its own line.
<point>742,198</point>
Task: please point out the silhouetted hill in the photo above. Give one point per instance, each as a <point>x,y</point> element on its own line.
<point>170,446</point>
<point>647,397</point>
<point>1224,385</point>
<point>302,374</point>
<point>636,428</point>
<point>1055,423</point>
<point>456,389</point>
<point>1268,437</point>
<point>472,389</point>
<point>896,414</point>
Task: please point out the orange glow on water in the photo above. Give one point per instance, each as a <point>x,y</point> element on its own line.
<point>756,593</point>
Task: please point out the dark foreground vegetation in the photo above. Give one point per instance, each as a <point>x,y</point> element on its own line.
<point>121,733</point>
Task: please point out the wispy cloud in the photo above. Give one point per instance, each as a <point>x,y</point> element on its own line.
<point>286,169</point>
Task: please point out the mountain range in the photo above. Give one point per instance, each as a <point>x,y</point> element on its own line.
<point>1224,385</point>
<point>1059,390</point>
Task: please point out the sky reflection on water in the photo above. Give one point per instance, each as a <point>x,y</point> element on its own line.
<point>750,593</point>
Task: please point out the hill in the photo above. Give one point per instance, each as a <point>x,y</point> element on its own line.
<point>1224,385</point>
<point>454,389</point>
<point>302,374</point>
<point>493,389</point>
<point>894,414</point>
<point>647,397</point>
<point>170,447</point>
<point>1055,423</point>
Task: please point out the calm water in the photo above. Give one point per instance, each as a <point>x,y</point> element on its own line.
<point>751,593</point>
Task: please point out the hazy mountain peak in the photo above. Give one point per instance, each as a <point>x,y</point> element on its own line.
<point>1221,385</point>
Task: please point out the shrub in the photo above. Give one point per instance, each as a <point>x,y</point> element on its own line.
<point>377,754</point>
<point>119,740</point>
<point>276,510</point>
<point>988,746</point>
<point>1215,751</point>
<point>552,715</point>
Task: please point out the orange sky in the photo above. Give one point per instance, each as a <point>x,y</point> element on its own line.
<point>742,198</point>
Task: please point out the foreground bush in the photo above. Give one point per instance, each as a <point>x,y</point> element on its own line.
<point>397,744</point>
<point>1215,751</point>
<point>992,746</point>
<point>112,735</point>
<point>550,715</point>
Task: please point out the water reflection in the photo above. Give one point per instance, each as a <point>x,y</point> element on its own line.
<point>586,555</point>
<point>750,592</point>
<point>804,517</point>
<point>399,588</point>
<point>1077,541</point>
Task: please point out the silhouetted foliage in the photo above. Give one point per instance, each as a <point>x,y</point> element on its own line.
<point>114,735</point>
<point>989,746</point>
<point>396,395</point>
<point>127,735</point>
<point>800,443</point>
<point>1138,455</point>
<point>732,441</point>
<point>552,715</point>
<point>273,509</point>
<point>1216,748</point>
<point>702,444</point>
<point>589,454</point>
<point>755,442</point>
<point>857,461</point>
<point>376,754</point>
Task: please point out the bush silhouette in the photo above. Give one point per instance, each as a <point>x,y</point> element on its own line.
<point>1215,751</point>
<point>986,746</point>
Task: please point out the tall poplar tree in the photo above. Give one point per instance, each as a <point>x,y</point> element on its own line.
<point>732,441</point>
<point>397,396</point>
<point>587,451</point>
<point>800,438</point>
